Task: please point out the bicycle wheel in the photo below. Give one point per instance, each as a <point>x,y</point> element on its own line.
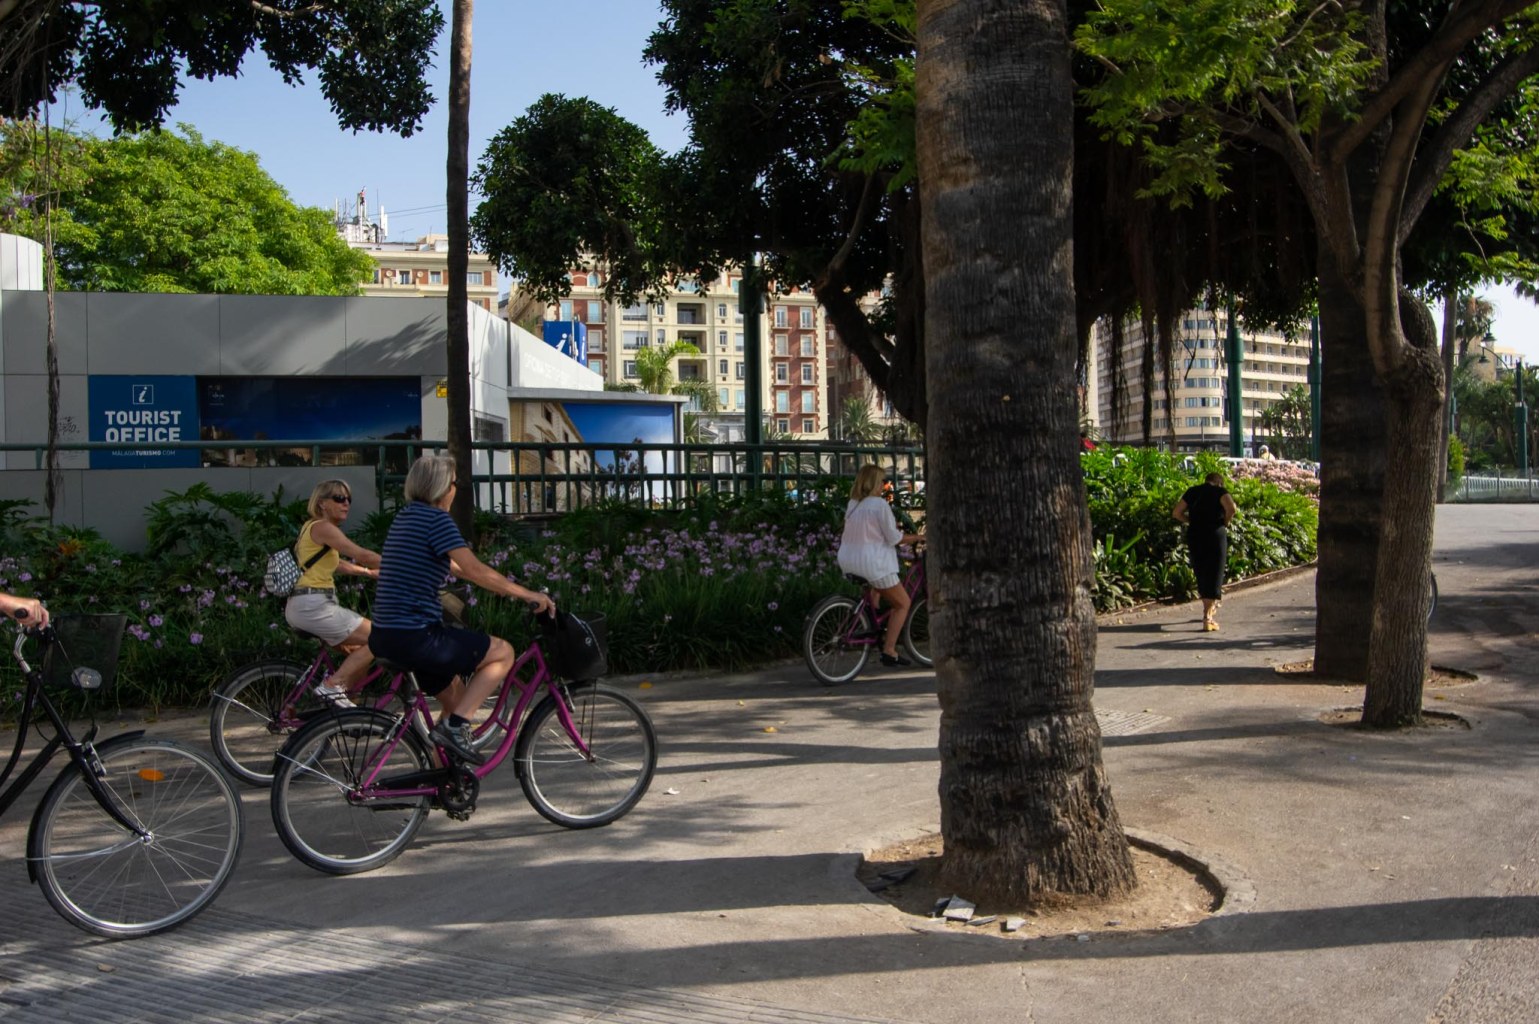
<point>110,881</point>
<point>584,791</point>
<point>1433,606</point>
<point>317,806</point>
<point>916,632</point>
<point>826,644</point>
<point>254,712</point>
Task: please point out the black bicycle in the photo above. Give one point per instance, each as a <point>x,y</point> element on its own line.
<point>136,835</point>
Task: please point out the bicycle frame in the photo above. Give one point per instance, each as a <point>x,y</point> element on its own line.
<point>321,663</point>
<point>913,585</point>
<point>81,752</point>
<point>418,714</point>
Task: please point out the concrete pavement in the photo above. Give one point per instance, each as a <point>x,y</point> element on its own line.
<point>1395,878</point>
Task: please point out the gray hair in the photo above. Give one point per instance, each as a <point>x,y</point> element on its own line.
<point>429,478</point>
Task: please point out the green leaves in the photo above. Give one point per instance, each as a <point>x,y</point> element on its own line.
<point>1184,74</point>
<point>569,182</point>
<point>168,212</point>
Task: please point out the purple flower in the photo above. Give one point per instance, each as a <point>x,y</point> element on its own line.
<point>144,606</point>
<point>25,577</point>
<point>774,606</point>
<point>138,632</point>
<point>195,639</point>
<point>185,588</point>
<point>156,621</point>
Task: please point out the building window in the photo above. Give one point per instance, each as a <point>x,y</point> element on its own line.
<point>634,339</point>
<point>435,277</point>
<point>596,337</point>
<point>782,376</point>
<point>630,368</point>
<point>659,310</point>
<point>403,276</point>
<point>782,401</point>
<point>597,366</point>
<point>636,312</point>
<point>662,336</point>
<point>808,426</point>
<point>807,348</point>
<point>737,342</point>
<point>740,367</point>
<point>809,401</point>
<point>566,310</point>
<point>782,345</point>
<point>376,275</point>
<point>784,426</point>
<point>781,320</point>
<point>806,373</point>
<point>721,311</point>
<point>721,339</point>
<point>595,279</point>
<point>721,367</point>
<point>595,312</point>
<point>475,278</point>
<point>721,397</point>
<point>806,317</point>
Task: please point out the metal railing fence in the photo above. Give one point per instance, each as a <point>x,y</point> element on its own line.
<point>530,478</point>
<point>1497,487</point>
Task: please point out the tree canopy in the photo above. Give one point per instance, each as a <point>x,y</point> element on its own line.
<point>171,212</point>
<point>129,59</point>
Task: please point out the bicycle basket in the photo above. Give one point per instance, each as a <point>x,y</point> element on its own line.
<point>574,647</point>
<point>86,641</point>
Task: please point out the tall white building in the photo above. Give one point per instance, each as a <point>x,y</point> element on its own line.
<point>1193,414</point>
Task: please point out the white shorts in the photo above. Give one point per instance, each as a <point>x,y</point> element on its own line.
<point>321,615</point>
<point>883,582</point>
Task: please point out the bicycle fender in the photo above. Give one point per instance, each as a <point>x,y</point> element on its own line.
<point>106,744</point>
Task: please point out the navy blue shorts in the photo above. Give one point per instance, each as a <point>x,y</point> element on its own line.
<point>436,653</point>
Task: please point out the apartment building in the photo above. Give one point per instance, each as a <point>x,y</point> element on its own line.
<point>793,365</point>
<point>848,379</point>
<point>1193,414</point>
<point>417,269</point>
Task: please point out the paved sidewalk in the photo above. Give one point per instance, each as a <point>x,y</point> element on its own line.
<point>1396,878</point>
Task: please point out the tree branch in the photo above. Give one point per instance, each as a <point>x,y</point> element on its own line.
<point>299,12</point>
<point>1435,157</point>
<point>1463,24</point>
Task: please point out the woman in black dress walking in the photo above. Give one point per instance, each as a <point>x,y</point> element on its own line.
<point>1207,509</point>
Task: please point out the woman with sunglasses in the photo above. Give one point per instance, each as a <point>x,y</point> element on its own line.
<point>313,606</point>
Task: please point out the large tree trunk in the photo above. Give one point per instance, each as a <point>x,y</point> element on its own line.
<point>1397,645</point>
<point>1352,460</point>
<point>1026,810</point>
<point>458,318</point>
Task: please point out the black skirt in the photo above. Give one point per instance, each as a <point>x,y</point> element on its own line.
<point>1210,553</point>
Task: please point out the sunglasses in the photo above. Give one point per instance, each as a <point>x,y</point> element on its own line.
<point>342,499</point>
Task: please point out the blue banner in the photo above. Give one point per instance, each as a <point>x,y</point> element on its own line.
<point>569,337</point>
<point>140,412</point>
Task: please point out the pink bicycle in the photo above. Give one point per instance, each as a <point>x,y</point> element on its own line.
<point>351,788</point>
<point>842,631</point>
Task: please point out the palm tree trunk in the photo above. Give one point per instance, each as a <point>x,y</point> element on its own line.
<point>1026,810</point>
<point>458,314</point>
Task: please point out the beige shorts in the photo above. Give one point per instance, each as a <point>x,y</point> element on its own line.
<point>321,615</point>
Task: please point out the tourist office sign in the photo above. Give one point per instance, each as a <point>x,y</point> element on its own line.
<point>137,413</point>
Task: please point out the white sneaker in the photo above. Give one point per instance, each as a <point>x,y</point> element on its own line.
<point>337,698</point>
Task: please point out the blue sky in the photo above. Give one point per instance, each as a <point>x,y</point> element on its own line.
<point>522,50</point>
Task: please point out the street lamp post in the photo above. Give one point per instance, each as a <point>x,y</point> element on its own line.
<point>1520,424</point>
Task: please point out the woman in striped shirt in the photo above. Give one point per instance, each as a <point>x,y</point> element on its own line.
<point>461,667</point>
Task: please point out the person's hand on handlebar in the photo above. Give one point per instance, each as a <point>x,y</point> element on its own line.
<point>29,611</point>
<point>540,604</point>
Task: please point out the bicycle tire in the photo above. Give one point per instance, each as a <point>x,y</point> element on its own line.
<point>830,657</point>
<point>916,632</point>
<point>105,879</point>
<point>1433,606</point>
<point>316,807</point>
<point>250,718</point>
<point>577,791</point>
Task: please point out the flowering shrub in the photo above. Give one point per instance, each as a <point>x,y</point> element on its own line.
<point>1289,477</point>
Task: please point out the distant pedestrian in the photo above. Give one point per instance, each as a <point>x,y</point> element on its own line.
<point>1207,509</point>
<point>1265,453</point>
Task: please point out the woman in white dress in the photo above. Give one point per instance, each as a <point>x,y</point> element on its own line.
<point>868,548</point>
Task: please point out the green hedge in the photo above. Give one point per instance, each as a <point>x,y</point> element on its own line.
<point>724,584</point>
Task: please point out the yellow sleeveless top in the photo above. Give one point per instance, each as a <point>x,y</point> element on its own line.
<point>320,575</point>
